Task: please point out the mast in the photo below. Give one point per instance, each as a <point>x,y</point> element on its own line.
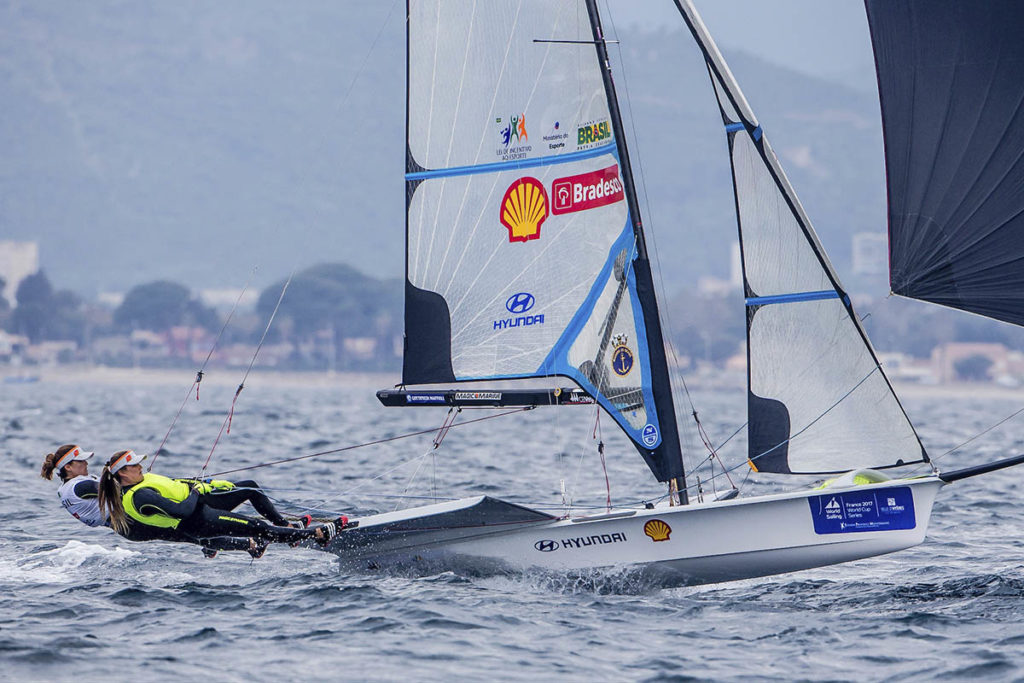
<point>661,381</point>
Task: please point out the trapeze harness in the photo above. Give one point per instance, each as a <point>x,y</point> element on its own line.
<point>79,496</point>
<point>187,510</point>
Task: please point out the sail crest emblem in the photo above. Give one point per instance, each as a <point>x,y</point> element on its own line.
<point>524,208</point>
<point>622,360</point>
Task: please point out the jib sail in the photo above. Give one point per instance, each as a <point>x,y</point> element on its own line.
<point>818,401</point>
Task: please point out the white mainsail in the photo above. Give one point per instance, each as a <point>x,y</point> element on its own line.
<point>524,256</point>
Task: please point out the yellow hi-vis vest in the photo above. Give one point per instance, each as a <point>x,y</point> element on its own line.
<point>171,489</point>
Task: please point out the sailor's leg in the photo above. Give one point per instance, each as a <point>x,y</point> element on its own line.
<point>224,543</point>
<point>207,522</point>
<point>247,491</point>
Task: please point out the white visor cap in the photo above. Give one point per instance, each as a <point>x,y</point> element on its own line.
<point>128,458</point>
<point>75,453</point>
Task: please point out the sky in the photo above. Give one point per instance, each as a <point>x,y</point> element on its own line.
<point>825,38</point>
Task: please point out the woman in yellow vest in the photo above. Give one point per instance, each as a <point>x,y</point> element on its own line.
<point>146,507</point>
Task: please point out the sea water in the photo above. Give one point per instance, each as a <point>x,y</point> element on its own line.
<point>82,604</point>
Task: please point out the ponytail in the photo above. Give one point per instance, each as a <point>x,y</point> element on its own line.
<point>110,495</point>
<point>50,463</point>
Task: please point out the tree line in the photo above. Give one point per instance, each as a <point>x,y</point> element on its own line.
<point>330,302</point>
<point>327,299</point>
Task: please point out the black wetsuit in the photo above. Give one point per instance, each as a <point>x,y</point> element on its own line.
<point>208,517</point>
<point>247,491</point>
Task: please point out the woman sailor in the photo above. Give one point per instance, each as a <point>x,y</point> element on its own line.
<point>145,507</point>
<point>79,490</point>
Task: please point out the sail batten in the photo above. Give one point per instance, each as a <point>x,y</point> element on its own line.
<point>510,165</point>
<point>792,297</point>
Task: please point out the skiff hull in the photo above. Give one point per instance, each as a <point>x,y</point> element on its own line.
<point>693,544</point>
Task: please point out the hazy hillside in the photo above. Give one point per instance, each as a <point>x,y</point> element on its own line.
<point>193,141</point>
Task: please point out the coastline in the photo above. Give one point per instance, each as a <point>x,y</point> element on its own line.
<point>77,374</point>
<point>72,374</point>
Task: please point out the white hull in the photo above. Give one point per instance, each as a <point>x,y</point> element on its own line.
<point>694,544</point>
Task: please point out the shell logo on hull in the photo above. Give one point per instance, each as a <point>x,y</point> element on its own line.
<point>657,530</point>
<point>524,208</point>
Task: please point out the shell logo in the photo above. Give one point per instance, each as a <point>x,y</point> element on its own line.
<point>657,530</point>
<point>524,208</point>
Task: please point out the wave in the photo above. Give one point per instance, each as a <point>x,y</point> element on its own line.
<point>49,564</point>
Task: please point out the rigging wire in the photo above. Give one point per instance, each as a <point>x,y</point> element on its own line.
<point>369,443</point>
<point>412,478</point>
<point>241,385</point>
<point>810,424</point>
<point>663,312</point>
<point>200,372</point>
<point>976,436</point>
<point>366,58</point>
<point>604,465</point>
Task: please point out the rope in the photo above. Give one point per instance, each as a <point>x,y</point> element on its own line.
<point>368,443</point>
<point>934,459</point>
<point>604,464</point>
<point>423,459</point>
<point>712,451</point>
<point>449,420</point>
<point>200,373</point>
<point>804,429</point>
<point>231,412</point>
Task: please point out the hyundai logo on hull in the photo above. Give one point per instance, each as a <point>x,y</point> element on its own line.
<point>520,303</point>
<point>546,546</point>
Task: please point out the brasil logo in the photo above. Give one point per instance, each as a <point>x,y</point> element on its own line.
<point>593,132</point>
<point>524,208</point>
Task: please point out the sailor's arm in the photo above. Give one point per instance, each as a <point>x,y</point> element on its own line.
<point>147,497</point>
<point>87,488</point>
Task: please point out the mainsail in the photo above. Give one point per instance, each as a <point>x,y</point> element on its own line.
<point>524,252</point>
<point>950,83</point>
<point>818,400</point>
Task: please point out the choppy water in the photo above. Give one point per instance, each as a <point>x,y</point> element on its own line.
<point>77,603</point>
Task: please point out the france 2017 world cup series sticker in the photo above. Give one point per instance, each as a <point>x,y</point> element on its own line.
<point>858,511</point>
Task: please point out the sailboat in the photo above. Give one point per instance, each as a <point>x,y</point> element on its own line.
<point>527,258</point>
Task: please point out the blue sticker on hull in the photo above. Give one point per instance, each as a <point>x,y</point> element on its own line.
<point>852,511</point>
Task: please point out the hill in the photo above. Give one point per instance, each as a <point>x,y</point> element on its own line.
<point>192,141</point>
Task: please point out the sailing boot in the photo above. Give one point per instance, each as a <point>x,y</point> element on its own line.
<point>342,523</point>
<point>257,548</point>
<point>325,532</point>
<point>303,522</point>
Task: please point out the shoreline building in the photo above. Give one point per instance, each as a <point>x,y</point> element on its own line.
<point>18,260</point>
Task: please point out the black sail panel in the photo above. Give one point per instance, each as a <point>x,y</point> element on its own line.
<point>951,84</point>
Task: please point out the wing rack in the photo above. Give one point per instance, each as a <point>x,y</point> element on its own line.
<point>495,398</point>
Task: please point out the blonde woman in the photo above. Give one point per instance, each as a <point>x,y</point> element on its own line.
<point>143,507</point>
